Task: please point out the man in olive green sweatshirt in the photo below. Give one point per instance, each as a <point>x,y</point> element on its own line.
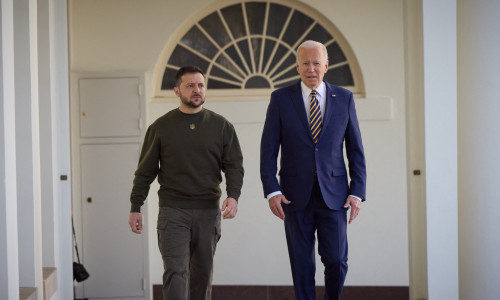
<point>187,149</point>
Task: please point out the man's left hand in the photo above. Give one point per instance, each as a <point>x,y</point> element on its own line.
<point>230,208</point>
<point>355,205</point>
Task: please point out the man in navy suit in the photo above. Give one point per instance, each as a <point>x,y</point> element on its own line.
<point>311,121</point>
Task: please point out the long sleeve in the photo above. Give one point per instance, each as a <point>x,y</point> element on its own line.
<point>355,154</point>
<point>232,162</point>
<point>269,148</point>
<point>147,169</point>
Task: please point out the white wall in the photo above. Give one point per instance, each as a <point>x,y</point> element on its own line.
<point>478,145</point>
<point>128,35</point>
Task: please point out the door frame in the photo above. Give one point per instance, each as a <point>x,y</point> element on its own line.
<point>415,150</point>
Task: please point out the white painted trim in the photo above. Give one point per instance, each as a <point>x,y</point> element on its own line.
<point>9,256</point>
<point>415,151</point>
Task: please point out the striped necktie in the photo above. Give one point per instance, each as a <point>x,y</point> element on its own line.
<point>315,121</point>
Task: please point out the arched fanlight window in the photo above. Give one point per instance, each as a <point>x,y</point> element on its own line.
<point>252,45</point>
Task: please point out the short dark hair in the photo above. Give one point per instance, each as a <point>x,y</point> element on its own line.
<point>184,70</point>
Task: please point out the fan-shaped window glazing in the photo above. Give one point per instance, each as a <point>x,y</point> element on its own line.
<point>252,45</point>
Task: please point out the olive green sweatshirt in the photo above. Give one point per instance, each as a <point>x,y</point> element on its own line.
<point>187,152</point>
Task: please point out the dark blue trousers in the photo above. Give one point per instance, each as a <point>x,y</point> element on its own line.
<point>330,227</point>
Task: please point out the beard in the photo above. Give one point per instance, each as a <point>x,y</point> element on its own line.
<point>190,103</point>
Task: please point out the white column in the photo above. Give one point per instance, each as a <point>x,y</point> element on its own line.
<point>440,98</point>
<point>46,151</point>
<point>9,269</point>
<point>61,156</point>
<point>28,145</point>
<point>479,148</point>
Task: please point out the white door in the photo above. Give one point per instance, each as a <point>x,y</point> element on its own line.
<point>109,146</point>
<point>113,255</point>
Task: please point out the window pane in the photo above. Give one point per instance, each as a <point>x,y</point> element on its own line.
<point>216,84</point>
<point>318,33</point>
<point>183,57</point>
<point>168,81</point>
<point>277,17</point>
<point>226,63</point>
<point>335,54</point>
<point>234,19</point>
<point>231,51</point>
<point>339,76</point>
<point>255,14</point>
<point>216,71</point>
<point>195,39</point>
<point>214,27</point>
<point>298,24</point>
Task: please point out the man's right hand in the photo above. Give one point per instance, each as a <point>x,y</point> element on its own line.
<point>275,205</point>
<point>135,222</point>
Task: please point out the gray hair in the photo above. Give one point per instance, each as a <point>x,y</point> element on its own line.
<point>312,44</point>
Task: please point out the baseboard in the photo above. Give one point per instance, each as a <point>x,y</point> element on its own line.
<point>262,292</point>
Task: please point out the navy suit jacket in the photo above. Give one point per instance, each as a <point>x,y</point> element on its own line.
<point>287,126</point>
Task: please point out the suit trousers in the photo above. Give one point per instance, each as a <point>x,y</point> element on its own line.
<point>187,239</point>
<point>330,227</point>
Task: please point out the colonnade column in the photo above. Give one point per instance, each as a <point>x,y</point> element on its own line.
<point>28,145</point>
<point>9,268</point>
<point>440,120</point>
<point>479,148</point>
<point>61,155</point>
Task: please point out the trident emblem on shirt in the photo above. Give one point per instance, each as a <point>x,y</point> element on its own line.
<point>191,126</point>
